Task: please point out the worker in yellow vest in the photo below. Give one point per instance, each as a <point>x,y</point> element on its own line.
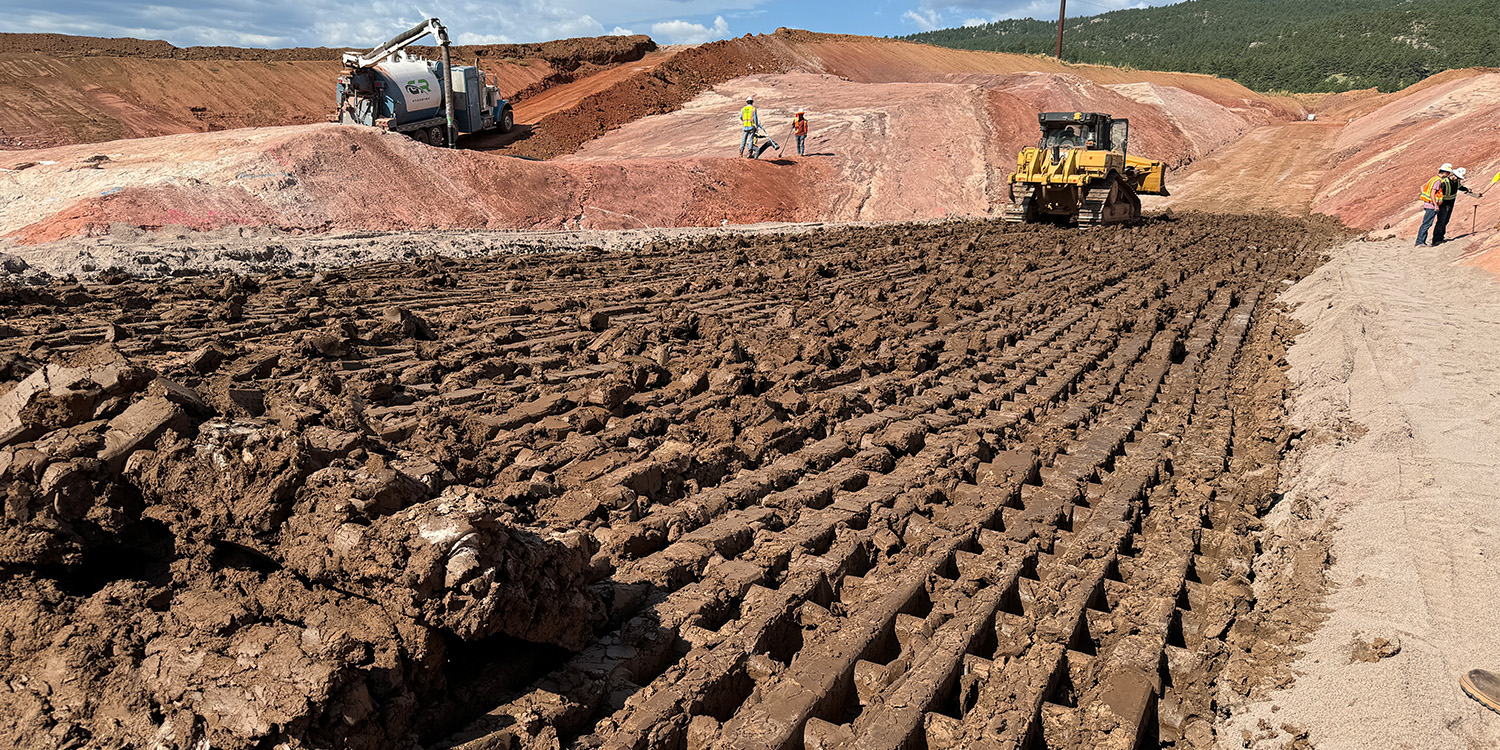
<point>1432,201</point>
<point>750,122</point>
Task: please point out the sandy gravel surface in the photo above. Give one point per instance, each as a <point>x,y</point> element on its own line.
<point>1395,380</point>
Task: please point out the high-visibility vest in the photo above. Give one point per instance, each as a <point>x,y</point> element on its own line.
<point>799,127</point>
<point>1450,188</point>
<point>747,116</point>
<point>1432,192</point>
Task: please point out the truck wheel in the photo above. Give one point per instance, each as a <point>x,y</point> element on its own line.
<point>419,135</point>
<point>436,136</point>
<point>507,120</point>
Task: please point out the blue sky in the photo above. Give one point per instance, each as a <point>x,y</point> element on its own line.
<point>358,23</point>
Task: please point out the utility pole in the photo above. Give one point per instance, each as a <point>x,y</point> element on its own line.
<point>1062,15</point>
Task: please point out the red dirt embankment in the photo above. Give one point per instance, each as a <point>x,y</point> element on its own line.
<point>939,143</point>
<point>323,177</point>
<point>655,143</point>
<point>1366,159</point>
<point>1210,110</point>
<point>66,89</point>
<point>1382,159</point>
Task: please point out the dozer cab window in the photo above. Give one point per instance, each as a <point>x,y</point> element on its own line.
<point>1119,135</point>
<point>1068,136</point>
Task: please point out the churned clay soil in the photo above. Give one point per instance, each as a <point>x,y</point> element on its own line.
<point>865,486</point>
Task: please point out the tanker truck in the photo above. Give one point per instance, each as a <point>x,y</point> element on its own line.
<point>432,101</point>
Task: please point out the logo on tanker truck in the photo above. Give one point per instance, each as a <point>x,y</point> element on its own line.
<point>418,85</point>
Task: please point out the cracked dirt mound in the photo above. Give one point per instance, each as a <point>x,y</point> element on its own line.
<point>875,485</point>
<point>69,89</point>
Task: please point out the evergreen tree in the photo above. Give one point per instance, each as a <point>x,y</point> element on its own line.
<point>1267,45</point>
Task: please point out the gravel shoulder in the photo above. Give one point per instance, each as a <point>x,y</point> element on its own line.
<point>1395,382</point>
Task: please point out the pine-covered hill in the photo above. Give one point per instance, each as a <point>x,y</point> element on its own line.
<point>1267,45</point>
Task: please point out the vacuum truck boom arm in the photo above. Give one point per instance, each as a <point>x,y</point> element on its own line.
<point>399,42</point>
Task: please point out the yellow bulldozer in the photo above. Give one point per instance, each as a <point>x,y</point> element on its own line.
<point>1081,171</point>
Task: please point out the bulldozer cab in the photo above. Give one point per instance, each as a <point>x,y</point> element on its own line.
<point>1085,130</point>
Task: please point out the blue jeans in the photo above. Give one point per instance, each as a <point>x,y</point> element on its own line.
<point>748,141</point>
<point>801,140</point>
<point>1429,215</point>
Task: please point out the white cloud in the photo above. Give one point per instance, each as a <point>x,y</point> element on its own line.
<point>355,24</point>
<point>360,24</point>
<point>617,31</point>
<point>683,32</point>
<point>467,38</point>
<point>971,22</point>
<point>926,19</point>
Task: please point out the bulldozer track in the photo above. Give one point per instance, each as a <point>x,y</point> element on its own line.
<point>952,486</point>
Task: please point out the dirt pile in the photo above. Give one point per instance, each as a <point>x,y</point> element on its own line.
<point>326,177</point>
<point>887,485</point>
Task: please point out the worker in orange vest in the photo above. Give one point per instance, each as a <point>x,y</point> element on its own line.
<point>799,129</point>
<point>1432,201</point>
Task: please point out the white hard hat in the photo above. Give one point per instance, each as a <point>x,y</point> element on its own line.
<point>1446,168</point>
<point>749,100</point>
<point>1461,172</point>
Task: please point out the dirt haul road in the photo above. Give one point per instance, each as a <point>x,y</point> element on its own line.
<point>855,487</point>
<point>1272,168</point>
